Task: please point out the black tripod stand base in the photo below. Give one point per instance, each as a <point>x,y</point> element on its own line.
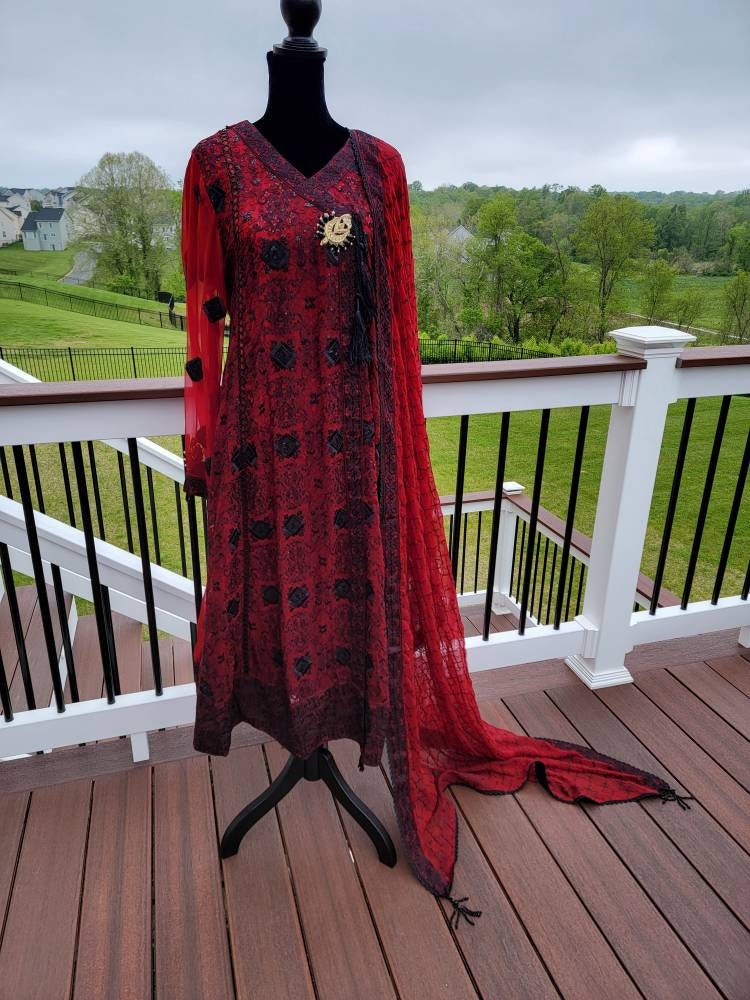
<point>319,766</point>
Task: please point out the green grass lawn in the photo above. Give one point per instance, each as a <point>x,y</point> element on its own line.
<point>14,257</point>
<point>91,294</point>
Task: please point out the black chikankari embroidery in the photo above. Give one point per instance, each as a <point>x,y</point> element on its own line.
<point>233,607</point>
<point>302,665</point>
<point>205,689</point>
<point>293,524</point>
<point>297,596</point>
<point>335,442</point>
<point>343,588</point>
<point>216,195</point>
<point>215,309</point>
<point>362,511</point>
<point>282,354</point>
<point>287,445</point>
<point>271,594</point>
<point>275,253</point>
<point>244,456</point>
<point>343,655</point>
<point>194,368</point>
<point>234,537</point>
<point>340,518</point>
<point>261,529</point>
<point>369,429</point>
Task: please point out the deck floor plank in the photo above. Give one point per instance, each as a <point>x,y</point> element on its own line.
<point>264,927</point>
<point>114,952</point>
<point>39,944</point>
<point>190,935</point>
<point>13,810</point>
<point>723,697</point>
<point>332,905</point>
<point>643,925</point>
<point>734,669</point>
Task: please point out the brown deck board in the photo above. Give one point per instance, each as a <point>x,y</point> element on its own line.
<point>332,905</point>
<point>12,818</point>
<point>192,952</point>
<point>723,743</point>
<point>114,953</point>
<point>727,802</point>
<point>638,884</point>
<point>264,926</point>
<point>39,665</point>
<point>720,860</point>
<point>413,929</point>
<point>723,697</point>
<point>734,669</point>
<point>38,946</point>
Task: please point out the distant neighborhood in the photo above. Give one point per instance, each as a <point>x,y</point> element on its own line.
<point>46,227</point>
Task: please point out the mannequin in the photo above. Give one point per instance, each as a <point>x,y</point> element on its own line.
<point>297,123</point>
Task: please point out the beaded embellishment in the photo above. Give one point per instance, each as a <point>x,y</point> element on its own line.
<point>335,231</point>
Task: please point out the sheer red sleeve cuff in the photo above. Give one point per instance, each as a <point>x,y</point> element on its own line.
<point>206,309</point>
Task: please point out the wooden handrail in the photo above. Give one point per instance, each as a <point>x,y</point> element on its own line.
<point>705,357</point>
<point>469,371</point>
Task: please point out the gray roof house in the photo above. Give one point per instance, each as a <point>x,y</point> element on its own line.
<point>46,229</point>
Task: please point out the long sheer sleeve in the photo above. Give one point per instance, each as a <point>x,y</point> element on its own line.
<point>206,298</point>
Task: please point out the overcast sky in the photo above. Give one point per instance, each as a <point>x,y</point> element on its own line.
<point>630,94</point>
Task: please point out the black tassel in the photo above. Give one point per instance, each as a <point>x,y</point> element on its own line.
<point>359,346</point>
<point>459,910</point>
<point>671,795</point>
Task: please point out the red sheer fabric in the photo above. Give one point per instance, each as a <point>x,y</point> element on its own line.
<point>434,733</point>
<point>203,266</point>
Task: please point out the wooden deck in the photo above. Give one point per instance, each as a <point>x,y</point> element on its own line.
<point>111,885</point>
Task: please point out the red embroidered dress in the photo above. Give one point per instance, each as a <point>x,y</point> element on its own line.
<point>330,608</point>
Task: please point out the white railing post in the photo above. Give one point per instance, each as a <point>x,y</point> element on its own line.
<point>634,440</point>
<point>504,557</point>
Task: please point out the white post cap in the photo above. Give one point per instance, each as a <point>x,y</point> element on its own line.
<point>650,341</point>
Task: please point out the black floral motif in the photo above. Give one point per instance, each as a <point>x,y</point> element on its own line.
<point>302,665</point>
<point>343,588</point>
<point>293,524</point>
<point>369,429</point>
<point>271,594</point>
<point>335,441</point>
<point>275,253</point>
<point>261,529</point>
<point>340,518</point>
<point>194,368</point>
<point>282,354</point>
<point>343,655</point>
<point>244,456</point>
<point>332,351</point>
<point>206,689</point>
<point>234,537</point>
<point>362,511</point>
<point>233,607</point>
<point>287,445</point>
<point>216,195</point>
<point>215,309</point>
<point>297,596</point>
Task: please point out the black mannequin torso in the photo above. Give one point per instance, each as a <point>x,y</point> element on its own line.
<point>296,120</point>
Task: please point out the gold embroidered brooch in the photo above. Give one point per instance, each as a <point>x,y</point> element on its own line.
<point>335,231</point>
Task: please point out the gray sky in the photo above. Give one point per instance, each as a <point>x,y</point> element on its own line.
<point>631,94</point>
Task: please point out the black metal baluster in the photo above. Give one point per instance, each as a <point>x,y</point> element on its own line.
<point>733,514</point>
<point>746,584</point>
<point>37,477</point>
<point>152,505</point>
<point>544,580</point>
<point>148,589</point>
<point>125,501</point>
<point>460,472</point>
<point>96,587</point>
<point>15,619</point>
<point>517,590</point>
<point>580,590</point>
<point>513,554</point>
<point>551,582</point>
<point>41,583</point>
<point>572,502</point>
<point>478,544</point>
<point>705,499</point>
<point>570,589</point>
<point>674,494</point>
<point>5,692</point>
<point>105,590</point>
<point>6,473</point>
<point>180,527</point>
<point>463,552</point>
<point>66,484</point>
<point>536,571</point>
<point>535,497</point>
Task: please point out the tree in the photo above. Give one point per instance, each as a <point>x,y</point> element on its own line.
<point>687,307</point>
<point>612,234</point>
<point>126,210</point>
<point>735,322</point>
<point>658,282</point>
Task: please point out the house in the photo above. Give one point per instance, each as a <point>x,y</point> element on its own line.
<point>46,229</point>
<point>57,197</point>
<point>10,224</point>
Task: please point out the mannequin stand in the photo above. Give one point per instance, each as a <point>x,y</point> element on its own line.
<point>320,765</point>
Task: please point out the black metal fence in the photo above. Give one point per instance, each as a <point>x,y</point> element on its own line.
<point>41,296</point>
<point>55,364</point>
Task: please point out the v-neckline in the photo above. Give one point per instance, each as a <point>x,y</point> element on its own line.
<point>265,149</point>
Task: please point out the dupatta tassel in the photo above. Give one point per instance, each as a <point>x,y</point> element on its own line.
<point>672,795</point>
<point>459,910</point>
<point>360,351</point>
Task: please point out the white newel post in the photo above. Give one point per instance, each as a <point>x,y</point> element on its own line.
<point>504,557</point>
<point>631,458</point>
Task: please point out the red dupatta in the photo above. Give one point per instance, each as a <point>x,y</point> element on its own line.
<point>437,736</point>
